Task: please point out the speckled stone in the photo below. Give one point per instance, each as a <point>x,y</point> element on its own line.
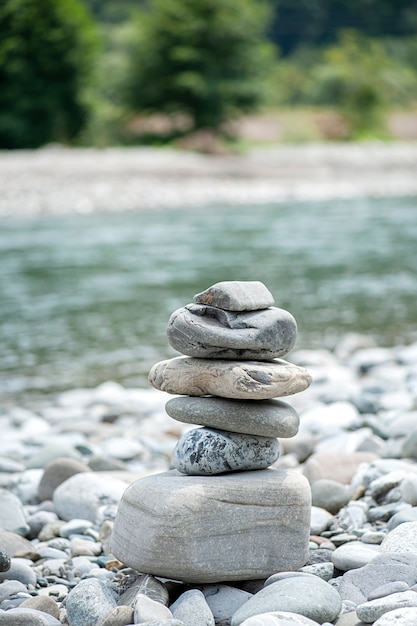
<point>237,295</point>
<point>208,332</point>
<point>370,611</point>
<point>198,529</point>
<point>399,617</point>
<point>268,418</point>
<point>191,608</point>
<point>242,380</point>
<point>206,451</point>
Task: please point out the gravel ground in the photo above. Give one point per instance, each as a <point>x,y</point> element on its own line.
<point>61,180</point>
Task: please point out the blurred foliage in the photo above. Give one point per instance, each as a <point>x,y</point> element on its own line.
<point>205,60</point>
<point>46,52</point>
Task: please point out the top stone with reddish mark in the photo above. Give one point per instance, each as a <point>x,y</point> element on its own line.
<point>236,295</point>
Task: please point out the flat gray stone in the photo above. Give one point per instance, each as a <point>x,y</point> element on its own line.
<point>42,603</point>
<point>206,451</point>
<point>118,616</point>
<point>370,611</point>
<point>268,418</point>
<point>28,617</point>
<point>191,608</point>
<point>387,589</point>
<point>12,514</point>
<point>305,595</point>
<point>224,600</point>
<point>146,585</point>
<point>242,380</point>
<point>20,570</point>
<point>237,295</point>
<point>210,333</point>
<point>198,529</point>
<point>399,617</point>
<point>330,494</point>
<point>353,555</point>
<point>147,609</point>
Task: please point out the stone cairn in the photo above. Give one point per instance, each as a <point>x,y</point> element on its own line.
<point>223,514</point>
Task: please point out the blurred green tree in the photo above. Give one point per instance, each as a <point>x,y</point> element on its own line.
<point>205,59</point>
<point>46,52</point>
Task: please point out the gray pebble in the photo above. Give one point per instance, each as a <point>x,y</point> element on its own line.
<point>399,617</point>
<point>387,589</point>
<point>191,608</point>
<point>56,472</point>
<point>268,418</point>
<point>370,611</point>
<point>82,495</point>
<point>353,555</point>
<point>330,495</point>
<point>4,560</point>
<point>206,451</point>
<point>75,526</point>
<point>207,332</point>
<point>322,570</point>
<point>407,515</point>
<point>42,603</point>
<point>20,570</point>
<point>237,295</point>
<point>224,600</point>
<point>403,538</point>
<point>279,618</point>
<point>12,514</point>
<point>305,595</point>
<point>147,609</point>
<point>118,616</point>
<point>146,585</point>
<point>10,588</point>
<point>89,602</point>
<point>320,520</point>
<point>28,617</point>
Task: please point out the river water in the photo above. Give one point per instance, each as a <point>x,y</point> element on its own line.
<point>86,298</point>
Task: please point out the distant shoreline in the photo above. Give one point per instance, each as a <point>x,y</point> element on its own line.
<point>57,180</point>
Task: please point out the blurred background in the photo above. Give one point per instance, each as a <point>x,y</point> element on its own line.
<point>86,292</point>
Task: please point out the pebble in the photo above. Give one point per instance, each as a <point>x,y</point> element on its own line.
<point>89,602</point>
<point>191,608</point>
<point>42,603</point>
<point>28,617</point>
<point>267,418</point>
<point>330,494</point>
<point>56,472</point>
<point>21,570</point>
<point>279,618</point>
<point>12,514</point>
<point>119,616</point>
<point>243,380</point>
<point>306,595</point>
<point>235,295</point>
<point>399,617</point>
<point>4,560</point>
<point>370,611</point>
<point>224,600</point>
<point>146,609</point>
<point>208,332</point>
<point>403,538</point>
<point>353,555</point>
<point>206,451</point>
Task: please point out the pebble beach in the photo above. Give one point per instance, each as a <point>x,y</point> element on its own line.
<point>66,459</point>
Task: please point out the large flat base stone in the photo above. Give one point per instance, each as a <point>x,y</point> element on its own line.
<point>203,529</point>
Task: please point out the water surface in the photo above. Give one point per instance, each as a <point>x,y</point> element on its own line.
<point>86,298</point>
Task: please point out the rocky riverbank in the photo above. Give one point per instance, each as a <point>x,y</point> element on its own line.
<point>65,462</point>
<point>56,180</point>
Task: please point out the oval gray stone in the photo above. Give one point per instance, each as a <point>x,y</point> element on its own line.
<point>370,611</point>
<point>279,618</point>
<point>191,608</point>
<point>147,609</point>
<point>119,616</point>
<point>268,418</point>
<point>56,472</point>
<point>4,560</point>
<point>205,451</point>
<point>198,529</point>
<point>244,380</point>
<point>12,514</point>
<point>210,333</point>
<point>20,570</point>
<point>402,538</point>
<point>89,602</point>
<point>224,600</point>
<point>237,295</point>
<point>306,595</point>
<point>28,617</point>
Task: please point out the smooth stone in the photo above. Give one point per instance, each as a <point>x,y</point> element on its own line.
<point>223,601</point>
<point>12,514</point>
<point>339,466</point>
<point>205,451</point>
<point>353,555</point>
<point>50,451</point>
<point>165,622</point>
<point>10,588</point>
<point>89,602</point>
<point>408,515</point>
<point>42,603</point>
<point>38,520</point>
<point>20,570</point>
<point>279,618</point>
<point>268,418</point>
<point>191,608</point>
<point>207,332</point>
<point>370,611</point>
<point>75,526</point>
<point>387,589</point>
<point>198,529</point>
<point>4,561</point>
<point>324,571</point>
<point>320,520</point>
<point>330,494</point>
<point>56,472</point>
<point>27,617</point>
<point>237,295</point>
<point>357,584</point>
<point>244,380</point>
<point>119,616</point>
<point>14,544</point>
<point>400,617</point>
<point>403,538</point>
<point>82,495</point>
<point>146,610</point>
<point>305,595</point>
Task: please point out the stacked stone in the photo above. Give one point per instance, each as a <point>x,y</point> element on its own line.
<point>234,322</point>
<point>214,518</point>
